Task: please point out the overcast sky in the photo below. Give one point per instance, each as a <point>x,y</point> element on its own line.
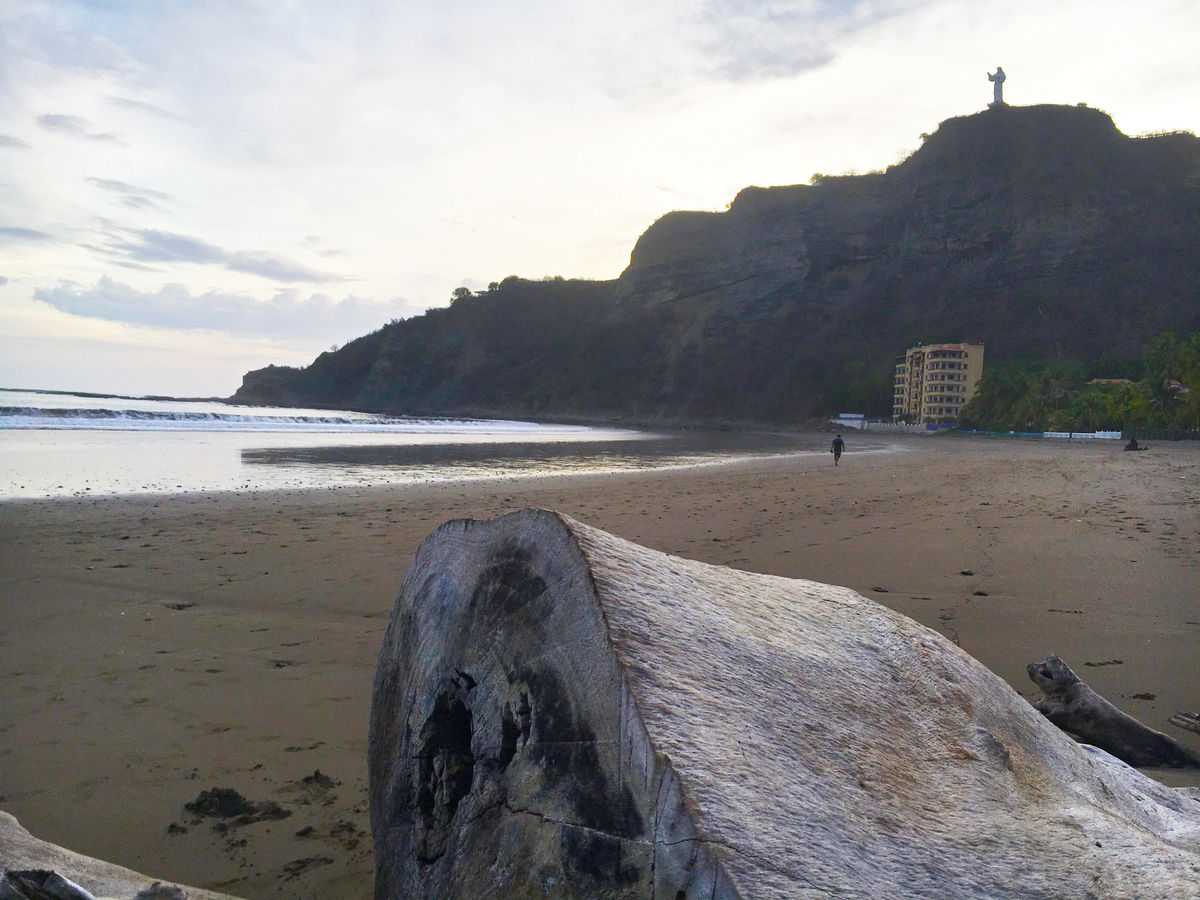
<point>192,189</point>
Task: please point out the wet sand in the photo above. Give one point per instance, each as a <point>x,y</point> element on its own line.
<point>156,647</point>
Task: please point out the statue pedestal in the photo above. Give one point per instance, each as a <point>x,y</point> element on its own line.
<point>996,104</point>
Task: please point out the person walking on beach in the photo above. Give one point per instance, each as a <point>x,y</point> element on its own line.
<point>836,448</point>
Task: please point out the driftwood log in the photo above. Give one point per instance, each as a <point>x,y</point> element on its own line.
<point>1077,709</point>
<point>560,713</point>
<point>33,869</point>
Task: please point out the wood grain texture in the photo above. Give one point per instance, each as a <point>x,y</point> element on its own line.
<point>21,851</point>
<point>558,712</point>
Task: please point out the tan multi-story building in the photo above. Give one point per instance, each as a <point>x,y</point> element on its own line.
<point>934,382</point>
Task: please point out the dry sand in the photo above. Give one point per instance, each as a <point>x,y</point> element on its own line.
<point>155,647</point>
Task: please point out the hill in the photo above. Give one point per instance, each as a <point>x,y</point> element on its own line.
<point>1040,231</point>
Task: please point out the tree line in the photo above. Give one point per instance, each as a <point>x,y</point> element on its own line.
<point>1158,390</point>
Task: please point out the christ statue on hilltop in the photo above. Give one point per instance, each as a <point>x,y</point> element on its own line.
<point>998,88</point>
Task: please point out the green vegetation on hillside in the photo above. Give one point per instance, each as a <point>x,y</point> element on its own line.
<point>1159,390</point>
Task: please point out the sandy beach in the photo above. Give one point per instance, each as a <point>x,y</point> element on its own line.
<point>156,647</point>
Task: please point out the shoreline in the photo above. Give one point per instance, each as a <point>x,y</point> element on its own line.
<point>66,463</point>
<point>161,645</point>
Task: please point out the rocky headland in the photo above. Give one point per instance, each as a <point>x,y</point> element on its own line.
<point>1023,228</point>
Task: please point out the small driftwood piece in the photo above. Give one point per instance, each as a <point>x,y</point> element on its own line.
<point>33,869</point>
<point>40,884</point>
<point>1186,721</point>
<point>1075,708</point>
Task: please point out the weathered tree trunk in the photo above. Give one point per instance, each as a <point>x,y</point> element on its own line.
<point>1074,707</point>
<point>507,757</point>
<point>33,869</point>
<point>560,713</point>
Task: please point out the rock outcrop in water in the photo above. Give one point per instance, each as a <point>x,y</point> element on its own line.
<point>560,713</point>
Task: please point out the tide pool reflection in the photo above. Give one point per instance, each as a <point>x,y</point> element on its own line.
<point>479,460</point>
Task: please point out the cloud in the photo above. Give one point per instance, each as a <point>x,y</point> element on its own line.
<point>276,269</point>
<point>754,39</point>
<point>131,195</point>
<point>160,246</point>
<point>287,315</point>
<point>13,235</point>
<point>3,281</point>
<point>15,143</point>
<point>76,37</point>
<point>142,106</point>
<point>74,126</point>
<point>164,247</point>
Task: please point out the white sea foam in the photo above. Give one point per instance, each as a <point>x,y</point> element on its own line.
<point>61,411</point>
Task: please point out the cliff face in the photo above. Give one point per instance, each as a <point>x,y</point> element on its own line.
<point>1040,231</point>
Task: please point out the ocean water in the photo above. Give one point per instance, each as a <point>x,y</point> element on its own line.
<point>55,444</point>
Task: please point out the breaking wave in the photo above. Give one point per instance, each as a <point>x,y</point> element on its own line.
<point>36,410</point>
